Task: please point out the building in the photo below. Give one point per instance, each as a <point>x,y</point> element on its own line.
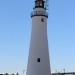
<point>38,60</point>
<point>66,73</point>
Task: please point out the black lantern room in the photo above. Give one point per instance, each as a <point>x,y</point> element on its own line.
<point>39,4</point>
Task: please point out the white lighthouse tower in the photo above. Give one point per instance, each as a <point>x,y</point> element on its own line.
<point>38,60</point>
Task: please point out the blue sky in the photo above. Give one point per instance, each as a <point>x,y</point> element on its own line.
<point>15,29</point>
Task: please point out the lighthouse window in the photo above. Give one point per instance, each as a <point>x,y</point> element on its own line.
<point>38,59</point>
<point>42,19</point>
<point>40,3</point>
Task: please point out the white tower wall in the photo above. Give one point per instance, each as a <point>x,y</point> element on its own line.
<point>38,60</point>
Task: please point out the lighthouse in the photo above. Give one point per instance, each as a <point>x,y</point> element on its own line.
<point>38,59</point>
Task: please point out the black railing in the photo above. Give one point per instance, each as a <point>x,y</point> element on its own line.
<point>39,13</point>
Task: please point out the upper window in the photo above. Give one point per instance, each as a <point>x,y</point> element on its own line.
<point>42,19</point>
